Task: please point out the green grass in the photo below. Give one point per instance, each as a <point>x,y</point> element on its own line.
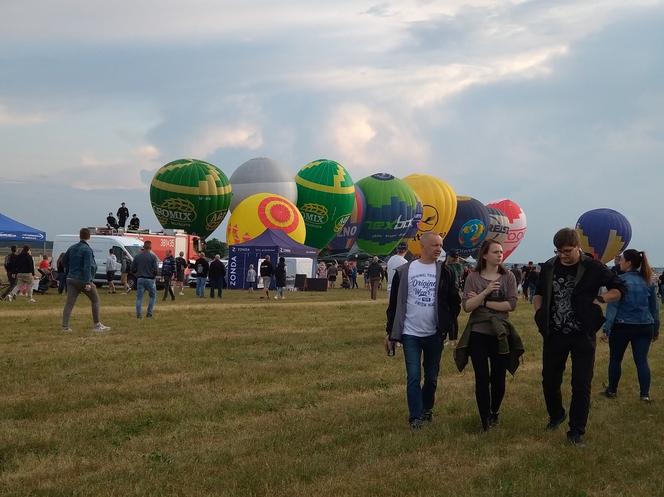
<point>291,398</point>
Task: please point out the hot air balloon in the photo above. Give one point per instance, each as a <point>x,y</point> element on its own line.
<point>261,175</point>
<point>190,194</point>
<point>391,213</point>
<point>325,197</point>
<point>499,226</point>
<point>604,233</point>
<point>517,224</point>
<point>345,239</point>
<point>469,228</point>
<point>439,205</point>
<point>261,211</point>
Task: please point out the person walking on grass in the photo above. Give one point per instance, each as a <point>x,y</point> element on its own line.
<point>394,262</point>
<point>125,269</point>
<point>167,272</point>
<point>422,311</point>
<point>568,319</point>
<point>24,266</point>
<point>111,261</point>
<point>375,272</point>
<point>633,320</point>
<point>266,270</point>
<point>280,278</point>
<point>80,267</point>
<point>180,267</point>
<point>10,267</point>
<point>202,267</point>
<point>490,339</point>
<point>145,266</point>
<point>216,275</point>
<point>251,278</point>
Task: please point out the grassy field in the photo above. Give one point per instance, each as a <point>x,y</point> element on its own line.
<point>246,397</point>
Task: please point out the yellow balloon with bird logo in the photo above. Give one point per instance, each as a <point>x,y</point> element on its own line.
<point>439,206</point>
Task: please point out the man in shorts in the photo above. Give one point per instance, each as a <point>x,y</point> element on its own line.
<point>180,266</point>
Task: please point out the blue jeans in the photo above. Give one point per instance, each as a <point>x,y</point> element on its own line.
<point>640,337</point>
<point>143,285</point>
<point>200,286</point>
<point>421,352</point>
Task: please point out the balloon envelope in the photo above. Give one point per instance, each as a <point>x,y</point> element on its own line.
<point>190,194</point>
<point>261,211</point>
<point>604,233</point>
<point>261,175</point>
<point>517,224</point>
<point>439,205</point>
<point>469,228</point>
<point>344,240</point>
<point>325,197</point>
<point>391,213</point>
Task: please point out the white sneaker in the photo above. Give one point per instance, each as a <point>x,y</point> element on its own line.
<point>100,327</point>
<point>276,297</point>
<point>9,297</point>
<point>67,329</point>
<point>33,301</point>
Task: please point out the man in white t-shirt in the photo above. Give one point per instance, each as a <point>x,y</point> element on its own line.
<point>394,262</point>
<point>424,305</point>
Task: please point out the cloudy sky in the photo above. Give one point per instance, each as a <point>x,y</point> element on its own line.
<point>558,105</point>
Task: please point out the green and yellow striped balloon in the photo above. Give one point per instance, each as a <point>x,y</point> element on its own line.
<point>191,195</point>
<point>325,198</point>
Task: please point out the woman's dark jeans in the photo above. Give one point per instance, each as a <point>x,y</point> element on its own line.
<point>490,368</point>
<point>640,336</point>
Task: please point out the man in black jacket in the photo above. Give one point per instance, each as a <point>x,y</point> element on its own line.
<point>123,214</point>
<point>424,305</point>
<point>216,276</point>
<point>267,272</point>
<point>568,318</point>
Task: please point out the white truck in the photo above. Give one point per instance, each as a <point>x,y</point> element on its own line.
<point>100,245</point>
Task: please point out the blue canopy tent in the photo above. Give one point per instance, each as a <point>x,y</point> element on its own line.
<point>13,231</point>
<point>274,243</point>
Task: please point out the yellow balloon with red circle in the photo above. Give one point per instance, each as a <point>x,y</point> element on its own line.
<point>262,211</point>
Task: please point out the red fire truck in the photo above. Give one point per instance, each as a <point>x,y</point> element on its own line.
<point>176,241</point>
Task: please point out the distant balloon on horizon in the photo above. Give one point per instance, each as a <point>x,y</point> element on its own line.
<point>261,175</point>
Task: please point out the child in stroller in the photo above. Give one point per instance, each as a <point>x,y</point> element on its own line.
<point>46,280</point>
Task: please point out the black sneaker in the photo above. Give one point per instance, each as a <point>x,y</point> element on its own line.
<point>427,415</point>
<point>493,419</point>
<point>416,424</point>
<point>576,439</point>
<point>609,394</point>
<point>555,423</point>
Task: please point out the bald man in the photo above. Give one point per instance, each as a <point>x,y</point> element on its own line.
<point>423,309</point>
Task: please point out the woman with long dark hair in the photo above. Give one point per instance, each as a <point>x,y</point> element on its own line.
<point>633,320</point>
<point>489,339</point>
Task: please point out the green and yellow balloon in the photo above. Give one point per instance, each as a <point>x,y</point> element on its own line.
<point>325,198</point>
<point>190,194</point>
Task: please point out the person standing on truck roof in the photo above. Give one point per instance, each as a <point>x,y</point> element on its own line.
<point>80,266</point>
<point>123,214</point>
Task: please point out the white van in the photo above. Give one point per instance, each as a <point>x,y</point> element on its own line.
<point>100,245</point>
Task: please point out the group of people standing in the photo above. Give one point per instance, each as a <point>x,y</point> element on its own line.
<point>121,221</point>
<point>425,301</point>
